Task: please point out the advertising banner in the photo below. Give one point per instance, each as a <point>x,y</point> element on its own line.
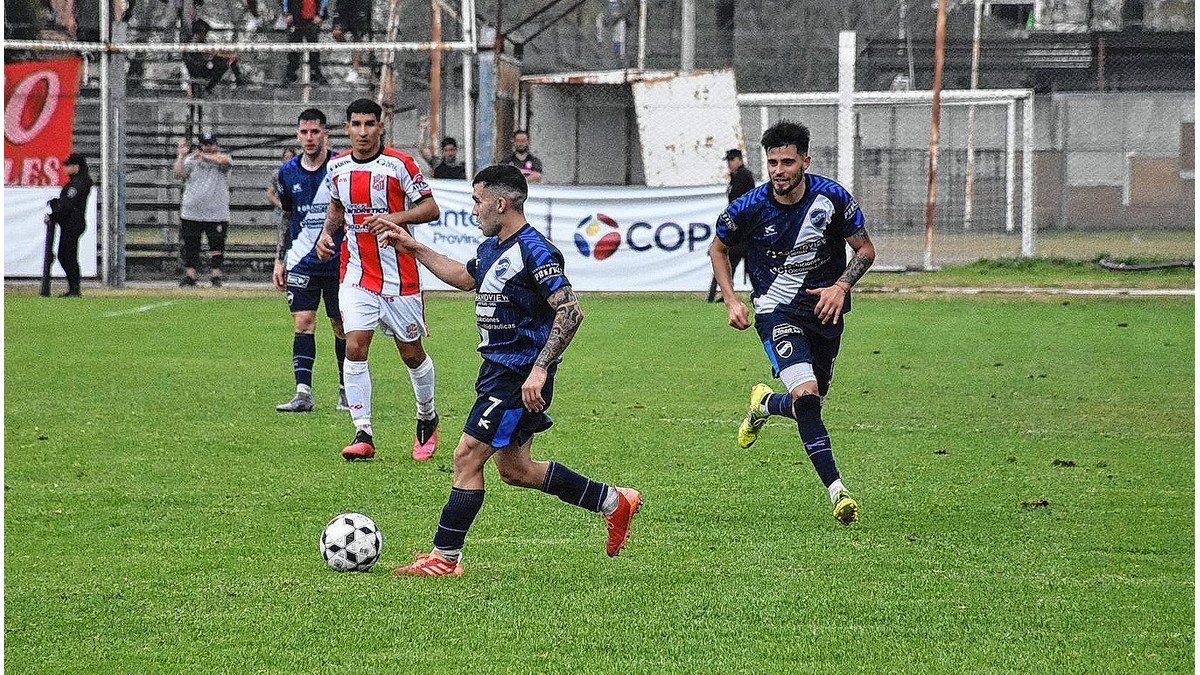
<point>39,115</point>
<point>614,238</point>
<point>25,233</point>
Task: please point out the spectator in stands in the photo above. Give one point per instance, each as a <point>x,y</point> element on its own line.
<point>212,66</point>
<point>353,18</point>
<point>448,165</point>
<point>272,195</point>
<point>523,159</point>
<point>304,19</point>
<point>741,181</point>
<point>69,211</point>
<point>205,207</point>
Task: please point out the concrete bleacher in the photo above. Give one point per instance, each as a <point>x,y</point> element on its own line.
<point>252,124</point>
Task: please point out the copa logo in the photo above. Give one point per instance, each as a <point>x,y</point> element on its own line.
<point>597,236</point>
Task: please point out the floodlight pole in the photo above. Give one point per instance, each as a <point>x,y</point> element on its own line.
<point>642,34</point>
<point>435,76</point>
<point>687,37</point>
<point>939,59</point>
<point>847,53</point>
<point>969,200</point>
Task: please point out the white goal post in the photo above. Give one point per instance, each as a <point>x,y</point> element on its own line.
<point>849,103</point>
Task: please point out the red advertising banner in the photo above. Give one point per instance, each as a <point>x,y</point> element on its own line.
<point>39,114</point>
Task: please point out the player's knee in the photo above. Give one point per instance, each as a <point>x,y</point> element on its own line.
<point>305,322</point>
<point>469,458</point>
<point>412,353</point>
<point>805,389</point>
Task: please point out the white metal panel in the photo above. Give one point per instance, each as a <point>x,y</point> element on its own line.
<point>686,124</point>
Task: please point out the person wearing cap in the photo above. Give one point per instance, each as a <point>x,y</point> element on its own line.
<point>205,206</point>
<point>68,211</point>
<point>741,181</point>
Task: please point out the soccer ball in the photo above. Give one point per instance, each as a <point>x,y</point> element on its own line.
<point>351,542</point>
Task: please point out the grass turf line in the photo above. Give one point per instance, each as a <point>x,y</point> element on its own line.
<point>168,520</point>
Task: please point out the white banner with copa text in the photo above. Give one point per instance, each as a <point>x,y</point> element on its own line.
<point>25,232</point>
<point>613,238</point>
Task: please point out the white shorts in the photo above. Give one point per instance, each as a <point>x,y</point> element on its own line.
<point>400,316</point>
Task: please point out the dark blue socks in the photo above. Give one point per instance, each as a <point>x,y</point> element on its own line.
<point>780,404</point>
<point>574,489</point>
<point>339,349</point>
<point>304,352</point>
<point>457,515</point>
<point>807,411</point>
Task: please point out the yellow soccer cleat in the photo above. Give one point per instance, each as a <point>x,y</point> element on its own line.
<point>755,418</point>
<point>845,509</point>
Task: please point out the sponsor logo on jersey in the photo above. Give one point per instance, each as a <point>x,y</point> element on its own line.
<point>851,209</point>
<point>296,187</point>
<point>727,222</point>
<point>300,280</point>
<point>547,271</point>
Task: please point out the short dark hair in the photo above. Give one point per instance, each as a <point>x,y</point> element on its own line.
<point>449,140</point>
<point>520,131</point>
<point>785,133</point>
<point>364,106</point>
<point>310,114</point>
<point>505,180</point>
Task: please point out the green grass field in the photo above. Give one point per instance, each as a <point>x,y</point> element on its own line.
<point>161,517</point>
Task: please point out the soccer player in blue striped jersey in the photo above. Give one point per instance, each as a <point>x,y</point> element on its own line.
<point>527,314</point>
<point>298,271</point>
<point>796,228</point>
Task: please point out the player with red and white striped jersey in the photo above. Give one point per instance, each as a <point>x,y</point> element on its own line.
<point>372,190</point>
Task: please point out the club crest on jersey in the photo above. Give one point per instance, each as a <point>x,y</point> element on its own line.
<point>784,349</point>
<point>411,331</point>
<point>378,181</point>
<point>501,268</point>
<point>817,218</point>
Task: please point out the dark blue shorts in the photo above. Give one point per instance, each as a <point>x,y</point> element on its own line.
<point>790,340</point>
<point>499,417</point>
<point>304,294</point>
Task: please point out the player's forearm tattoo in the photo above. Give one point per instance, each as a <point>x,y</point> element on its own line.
<point>282,244</point>
<point>567,317</point>
<point>861,262</point>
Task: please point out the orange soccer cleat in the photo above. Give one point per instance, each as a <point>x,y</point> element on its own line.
<point>426,441</point>
<point>362,448</point>
<point>430,564</point>
<point>628,503</point>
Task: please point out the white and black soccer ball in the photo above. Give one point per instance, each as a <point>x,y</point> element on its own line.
<point>351,542</point>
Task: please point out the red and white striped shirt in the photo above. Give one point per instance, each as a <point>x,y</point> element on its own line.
<point>388,183</point>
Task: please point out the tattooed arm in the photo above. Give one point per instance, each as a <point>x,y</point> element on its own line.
<point>864,256</point>
<point>567,317</point>
<point>281,247</point>
<point>832,298</point>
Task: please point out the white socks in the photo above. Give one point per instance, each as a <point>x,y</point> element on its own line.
<point>422,382</point>
<point>358,393</point>
<point>304,389</point>
<point>834,488</point>
<point>609,504</point>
